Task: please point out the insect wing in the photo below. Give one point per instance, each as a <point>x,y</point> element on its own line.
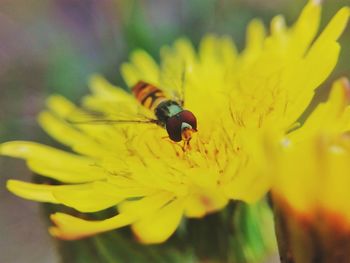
<point>176,69</point>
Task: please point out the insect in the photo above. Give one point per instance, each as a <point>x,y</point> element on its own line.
<point>179,123</point>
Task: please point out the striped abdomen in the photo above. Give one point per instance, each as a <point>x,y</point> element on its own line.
<point>148,95</point>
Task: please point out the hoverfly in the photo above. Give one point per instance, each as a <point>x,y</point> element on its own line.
<point>179,123</point>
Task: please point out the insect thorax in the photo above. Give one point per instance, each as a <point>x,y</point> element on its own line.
<point>167,109</point>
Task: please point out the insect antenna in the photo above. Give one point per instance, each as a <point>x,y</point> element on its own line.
<point>90,117</point>
<point>106,121</point>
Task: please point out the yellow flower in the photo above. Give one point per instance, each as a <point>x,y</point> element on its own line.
<point>310,184</point>
<point>312,173</point>
<point>235,97</point>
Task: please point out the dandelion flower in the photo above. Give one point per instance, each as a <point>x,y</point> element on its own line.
<point>234,96</point>
<point>310,182</point>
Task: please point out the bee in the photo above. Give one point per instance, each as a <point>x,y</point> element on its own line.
<point>179,123</point>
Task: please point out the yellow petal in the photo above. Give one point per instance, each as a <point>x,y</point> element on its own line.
<point>35,192</point>
<point>124,192</point>
<point>61,106</point>
<point>204,201</point>
<point>335,27</point>
<point>209,49</point>
<point>159,226</point>
<point>146,205</point>
<point>88,198</point>
<point>195,207</point>
<point>250,185</point>
<point>278,26</point>
<point>305,29</point>
<point>228,51</point>
<point>320,62</point>
<point>323,55</point>
<point>82,197</point>
<point>70,228</point>
<point>254,41</point>
<point>141,67</point>
<point>147,67</point>
<point>129,73</point>
<point>103,89</point>
<point>185,50</point>
<point>96,196</point>
<point>54,163</point>
<point>66,134</point>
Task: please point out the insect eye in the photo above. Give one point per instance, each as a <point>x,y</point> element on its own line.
<point>173,127</point>
<point>189,118</point>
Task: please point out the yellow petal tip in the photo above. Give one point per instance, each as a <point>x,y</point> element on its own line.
<point>54,231</point>
<point>60,105</point>
<point>53,99</point>
<point>344,13</point>
<point>14,148</point>
<point>316,2</point>
<point>53,218</point>
<point>57,233</point>
<point>9,185</point>
<point>95,76</point>
<point>345,82</point>
<point>96,80</point>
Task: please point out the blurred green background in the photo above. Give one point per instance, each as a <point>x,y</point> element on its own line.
<point>52,46</point>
